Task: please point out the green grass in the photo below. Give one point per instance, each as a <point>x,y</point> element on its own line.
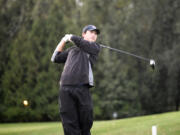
<point>167,124</point>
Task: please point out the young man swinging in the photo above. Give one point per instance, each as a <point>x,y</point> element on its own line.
<point>76,108</point>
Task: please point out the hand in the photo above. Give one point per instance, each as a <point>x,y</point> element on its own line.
<point>67,38</point>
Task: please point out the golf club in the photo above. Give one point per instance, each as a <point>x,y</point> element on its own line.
<point>151,61</point>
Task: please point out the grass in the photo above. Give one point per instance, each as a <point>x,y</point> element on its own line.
<point>167,124</point>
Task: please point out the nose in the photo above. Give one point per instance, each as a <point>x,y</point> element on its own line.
<point>94,34</point>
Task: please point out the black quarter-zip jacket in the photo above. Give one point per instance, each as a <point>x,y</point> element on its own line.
<point>76,68</point>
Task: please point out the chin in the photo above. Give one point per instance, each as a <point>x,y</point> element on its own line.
<point>92,40</point>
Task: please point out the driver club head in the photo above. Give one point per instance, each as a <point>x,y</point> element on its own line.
<point>152,63</point>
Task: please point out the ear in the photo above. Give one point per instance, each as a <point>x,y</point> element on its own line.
<point>83,34</point>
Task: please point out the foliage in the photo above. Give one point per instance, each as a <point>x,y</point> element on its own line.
<point>167,124</point>
<point>31,29</point>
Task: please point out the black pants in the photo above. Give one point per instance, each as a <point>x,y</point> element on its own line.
<point>76,110</point>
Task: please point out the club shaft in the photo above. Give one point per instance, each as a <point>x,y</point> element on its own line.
<point>125,52</point>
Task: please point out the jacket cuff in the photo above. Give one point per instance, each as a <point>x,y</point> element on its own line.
<point>75,38</point>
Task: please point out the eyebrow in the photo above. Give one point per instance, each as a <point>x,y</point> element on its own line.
<point>93,31</point>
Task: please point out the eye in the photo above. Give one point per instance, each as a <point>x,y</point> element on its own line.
<point>94,32</point>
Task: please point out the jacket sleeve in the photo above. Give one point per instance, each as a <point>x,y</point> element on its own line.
<point>60,57</point>
<point>89,47</point>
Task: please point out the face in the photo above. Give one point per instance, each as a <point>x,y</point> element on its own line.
<point>90,36</point>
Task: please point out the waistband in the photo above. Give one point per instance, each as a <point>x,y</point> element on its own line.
<point>77,85</point>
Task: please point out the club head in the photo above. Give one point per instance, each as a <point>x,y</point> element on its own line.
<point>152,64</point>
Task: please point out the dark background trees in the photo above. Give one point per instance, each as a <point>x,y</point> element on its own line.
<point>31,29</point>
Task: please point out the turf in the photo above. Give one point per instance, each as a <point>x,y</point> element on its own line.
<point>167,124</point>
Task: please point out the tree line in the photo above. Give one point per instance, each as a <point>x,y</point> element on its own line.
<point>31,29</point>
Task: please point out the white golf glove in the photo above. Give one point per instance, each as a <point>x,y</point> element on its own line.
<point>67,38</point>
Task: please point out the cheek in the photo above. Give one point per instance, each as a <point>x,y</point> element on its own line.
<point>95,36</point>
<point>88,36</point>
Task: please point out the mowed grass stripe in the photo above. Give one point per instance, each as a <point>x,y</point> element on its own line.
<point>44,128</point>
<point>167,124</point>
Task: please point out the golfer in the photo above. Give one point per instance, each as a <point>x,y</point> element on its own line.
<point>76,108</point>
